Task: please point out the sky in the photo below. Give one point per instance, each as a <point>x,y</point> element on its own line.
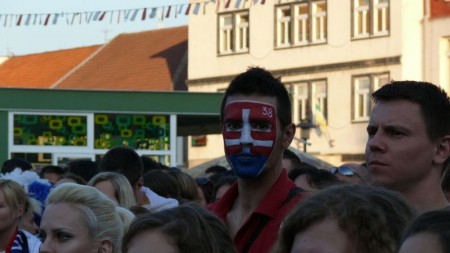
<point>31,37</point>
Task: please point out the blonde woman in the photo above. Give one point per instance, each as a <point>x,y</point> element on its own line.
<point>79,218</point>
<point>14,203</point>
<point>116,187</point>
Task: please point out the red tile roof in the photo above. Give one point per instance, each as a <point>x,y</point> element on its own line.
<point>151,60</point>
<point>43,69</point>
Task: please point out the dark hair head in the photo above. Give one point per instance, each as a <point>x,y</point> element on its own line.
<point>77,179</point>
<point>124,161</point>
<point>434,222</point>
<point>162,183</point>
<point>84,168</point>
<point>258,81</point>
<point>317,178</point>
<point>433,101</point>
<point>149,164</point>
<point>52,169</point>
<point>192,228</point>
<point>11,164</point>
<point>373,218</point>
<point>291,156</point>
<point>215,169</point>
<point>186,183</point>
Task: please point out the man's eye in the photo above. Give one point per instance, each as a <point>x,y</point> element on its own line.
<point>233,126</point>
<point>261,126</point>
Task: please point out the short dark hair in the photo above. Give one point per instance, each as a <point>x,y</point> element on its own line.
<point>125,161</point>
<point>435,222</point>
<point>317,178</point>
<point>291,156</point>
<point>16,162</point>
<point>84,168</point>
<point>259,81</point>
<point>52,169</point>
<point>434,103</point>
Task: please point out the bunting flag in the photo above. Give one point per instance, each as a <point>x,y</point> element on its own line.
<point>125,15</point>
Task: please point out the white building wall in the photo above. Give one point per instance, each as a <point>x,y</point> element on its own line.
<point>403,41</point>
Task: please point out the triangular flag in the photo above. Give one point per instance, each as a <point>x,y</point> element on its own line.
<point>144,14</point>
<point>96,15</point>
<point>6,18</point>
<point>89,17</point>
<point>153,13</point>
<point>188,9</point>
<point>196,8</point>
<point>134,14</point>
<point>162,14</point>
<point>237,4</point>
<point>46,19</point>
<point>19,20</point>
<point>180,9</point>
<point>118,16</point>
<point>168,11</point>
<point>127,14</point>
<point>102,16</point>
<point>227,5</point>
<point>27,21</point>
<point>55,19</point>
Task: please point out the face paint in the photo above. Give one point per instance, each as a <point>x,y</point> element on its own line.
<point>249,133</point>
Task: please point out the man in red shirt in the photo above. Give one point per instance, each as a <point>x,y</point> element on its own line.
<point>257,127</point>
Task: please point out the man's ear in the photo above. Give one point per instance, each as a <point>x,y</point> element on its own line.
<point>442,152</point>
<point>288,135</point>
<point>105,247</point>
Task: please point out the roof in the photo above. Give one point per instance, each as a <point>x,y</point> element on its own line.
<point>43,69</point>
<point>152,60</point>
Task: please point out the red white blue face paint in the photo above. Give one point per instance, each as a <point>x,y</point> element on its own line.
<point>249,133</point>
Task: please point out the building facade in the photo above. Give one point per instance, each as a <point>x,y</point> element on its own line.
<point>331,54</point>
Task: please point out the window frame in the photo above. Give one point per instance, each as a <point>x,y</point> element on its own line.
<point>308,100</point>
<point>234,35</point>
<point>297,20</point>
<point>373,86</point>
<point>371,19</point>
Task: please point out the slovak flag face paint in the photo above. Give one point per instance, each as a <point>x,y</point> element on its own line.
<point>249,133</point>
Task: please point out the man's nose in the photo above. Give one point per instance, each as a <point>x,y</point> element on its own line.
<point>246,138</point>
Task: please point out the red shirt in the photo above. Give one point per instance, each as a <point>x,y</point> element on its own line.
<point>274,206</point>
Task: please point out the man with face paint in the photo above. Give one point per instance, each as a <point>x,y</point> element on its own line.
<point>256,127</point>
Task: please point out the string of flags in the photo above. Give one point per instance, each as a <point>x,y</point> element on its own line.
<point>124,15</point>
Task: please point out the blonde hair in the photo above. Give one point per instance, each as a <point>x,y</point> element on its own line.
<point>123,190</point>
<point>15,195</point>
<point>98,212</point>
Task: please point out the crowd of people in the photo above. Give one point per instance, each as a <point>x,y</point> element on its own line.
<point>269,202</point>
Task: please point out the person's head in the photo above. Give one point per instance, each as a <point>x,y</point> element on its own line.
<point>186,184</point>
<point>408,134</point>
<point>52,173</point>
<point>311,178</point>
<point>78,218</point>
<point>290,160</point>
<point>205,189</point>
<point>429,232</point>
<point>256,122</point>
<point>14,203</point>
<point>162,183</point>
<point>28,219</point>
<point>116,187</point>
<point>215,169</point>
<point>222,185</point>
<point>149,164</point>
<point>126,162</point>
<point>11,164</point>
<point>346,218</point>
<point>71,178</point>
<point>187,228</point>
<point>353,173</point>
<point>83,167</point>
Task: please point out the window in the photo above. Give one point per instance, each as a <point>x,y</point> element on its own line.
<point>301,23</point>
<point>309,95</point>
<point>362,88</point>
<point>370,18</point>
<point>233,33</point>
